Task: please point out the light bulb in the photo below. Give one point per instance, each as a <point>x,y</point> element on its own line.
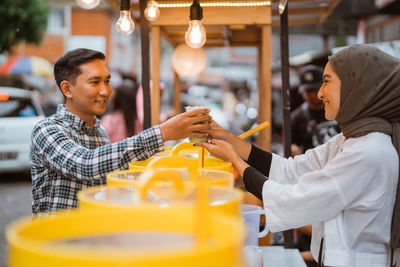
<point>88,4</point>
<point>195,36</point>
<point>125,24</point>
<point>152,12</point>
<point>282,6</point>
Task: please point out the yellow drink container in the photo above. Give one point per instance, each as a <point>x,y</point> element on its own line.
<point>194,155</point>
<point>213,177</point>
<point>184,149</point>
<point>146,237</point>
<point>221,199</point>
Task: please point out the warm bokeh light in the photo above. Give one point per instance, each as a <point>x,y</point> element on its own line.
<point>88,4</point>
<point>195,36</point>
<point>152,12</point>
<point>125,24</point>
<point>218,4</point>
<point>282,6</point>
<point>188,62</point>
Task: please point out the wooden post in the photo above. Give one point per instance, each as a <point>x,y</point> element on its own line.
<point>287,132</point>
<point>155,74</point>
<point>264,87</point>
<point>144,37</point>
<point>177,93</point>
<point>216,16</point>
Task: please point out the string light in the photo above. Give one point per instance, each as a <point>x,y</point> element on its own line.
<point>125,24</point>
<point>218,4</point>
<point>195,36</point>
<point>88,4</point>
<point>152,12</point>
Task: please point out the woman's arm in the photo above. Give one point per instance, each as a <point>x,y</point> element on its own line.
<point>241,147</point>
<point>253,179</point>
<point>226,152</point>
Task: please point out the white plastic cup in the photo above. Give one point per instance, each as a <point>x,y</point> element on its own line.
<point>253,256</point>
<point>202,139</point>
<point>251,215</point>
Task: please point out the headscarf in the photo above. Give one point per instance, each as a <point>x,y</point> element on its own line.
<point>370,101</point>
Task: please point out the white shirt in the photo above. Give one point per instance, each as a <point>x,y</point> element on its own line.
<point>346,189</point>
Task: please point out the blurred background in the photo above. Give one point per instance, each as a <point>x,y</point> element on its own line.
<point>227,83</point>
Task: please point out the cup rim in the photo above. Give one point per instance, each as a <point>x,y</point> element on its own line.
<point>252,208</point>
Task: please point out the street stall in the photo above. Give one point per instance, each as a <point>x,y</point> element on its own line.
<point>141,228</point>
<point>227,24</point>
<point>231,23</point>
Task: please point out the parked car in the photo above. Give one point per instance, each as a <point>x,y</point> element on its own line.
<point>19,112</point>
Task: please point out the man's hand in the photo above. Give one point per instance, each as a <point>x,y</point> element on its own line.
<point>217,132</point>
<point>186,125</point>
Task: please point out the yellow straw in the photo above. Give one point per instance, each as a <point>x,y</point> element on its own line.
<point>202,157</point>
<point>201,227</point>
<point>254,130</point>
<point>201,223</point>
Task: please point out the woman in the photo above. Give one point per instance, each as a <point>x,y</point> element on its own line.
<point>122,121</point>
<point>346,188</point>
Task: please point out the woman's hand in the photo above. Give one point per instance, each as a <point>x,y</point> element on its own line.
<point>242,148</point>
<point>226,152</point>
<point>220,149</point>
<point>187,124</point>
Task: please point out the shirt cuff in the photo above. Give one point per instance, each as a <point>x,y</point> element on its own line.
<point>149,142</point>
<point>254,181</point>
<point>260,160</point>
<point>159,139</point>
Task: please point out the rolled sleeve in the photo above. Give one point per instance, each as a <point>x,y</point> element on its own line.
<point>254,181</point>
<point>260,160</point>
<point>63,155</point>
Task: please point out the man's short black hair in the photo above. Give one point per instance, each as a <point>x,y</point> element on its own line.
<point>67,67</point>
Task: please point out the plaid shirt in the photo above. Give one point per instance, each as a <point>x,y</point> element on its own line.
<point>67,156</point>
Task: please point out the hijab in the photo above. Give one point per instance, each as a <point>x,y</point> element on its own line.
<point>370,101</point>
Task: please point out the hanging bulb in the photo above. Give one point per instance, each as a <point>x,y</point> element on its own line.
<point>125,24</point>
<point>88,4</point>
<point>195,36</point>
<point>152,12</point>
<point>282,6</point>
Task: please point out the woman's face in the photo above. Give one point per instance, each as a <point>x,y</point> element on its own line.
<point>329,93</point>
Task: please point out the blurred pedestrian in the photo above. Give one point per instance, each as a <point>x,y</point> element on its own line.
<point>122,120</point>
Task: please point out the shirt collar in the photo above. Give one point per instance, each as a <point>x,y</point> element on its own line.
<point>75,120</point>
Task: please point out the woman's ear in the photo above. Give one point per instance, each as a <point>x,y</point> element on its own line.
<point>66,89</point>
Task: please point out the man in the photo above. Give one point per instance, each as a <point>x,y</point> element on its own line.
<point>309,126</point>
<point>70,151</point>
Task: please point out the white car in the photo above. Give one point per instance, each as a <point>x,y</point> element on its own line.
<point>19,112</point>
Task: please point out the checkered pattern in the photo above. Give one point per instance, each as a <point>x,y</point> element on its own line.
<point>67,156</point>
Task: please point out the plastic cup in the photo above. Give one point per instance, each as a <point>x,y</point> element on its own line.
<point>197,140</point>
<point>253,256</point>
<point>251,215</point>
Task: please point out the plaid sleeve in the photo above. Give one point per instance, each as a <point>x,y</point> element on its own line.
<point>56,150</point>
